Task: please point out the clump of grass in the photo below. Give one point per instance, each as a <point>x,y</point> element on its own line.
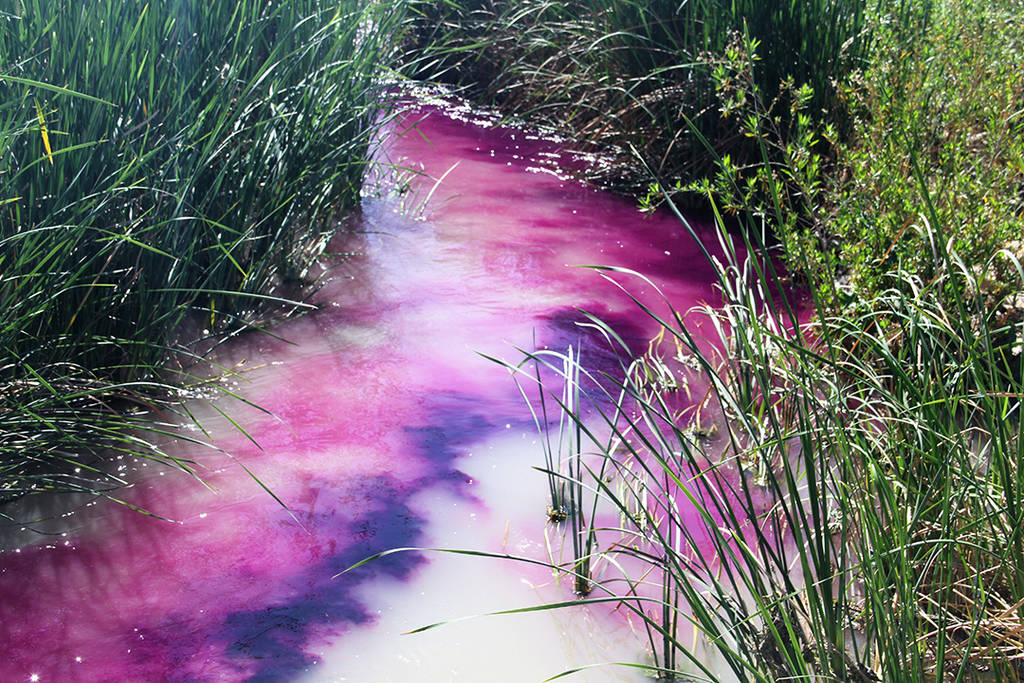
<point>163,166</point>
<point>861,503</point>
<point>564,461</point>
<point>636,77</point>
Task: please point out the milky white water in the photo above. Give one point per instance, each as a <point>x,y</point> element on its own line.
<point>386,429</point>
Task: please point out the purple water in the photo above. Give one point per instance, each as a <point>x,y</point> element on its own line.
<point>386,429</point>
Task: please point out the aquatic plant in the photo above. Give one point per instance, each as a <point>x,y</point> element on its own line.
<point>559,449</point>
<point>564,464</point>
<point>853,108</point>
<point>168,173</point>
<point>856,518</point>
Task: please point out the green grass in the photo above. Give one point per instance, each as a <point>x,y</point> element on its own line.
<point>625,75</point>
<point>168,172</point>
<point>862,498</point>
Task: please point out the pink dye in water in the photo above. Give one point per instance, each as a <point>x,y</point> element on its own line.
<point>374,399</point>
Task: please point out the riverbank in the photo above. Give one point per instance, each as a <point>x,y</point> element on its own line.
<point>882,162</point>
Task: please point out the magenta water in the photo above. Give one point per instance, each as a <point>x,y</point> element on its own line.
<point>383,421</point>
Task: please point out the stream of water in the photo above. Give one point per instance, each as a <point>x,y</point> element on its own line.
<point>385,428</point>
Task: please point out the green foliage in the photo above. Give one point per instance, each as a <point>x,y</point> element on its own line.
<point>939,137</point>
<point>160,164</point>
<point>790,184</point>
<point>635,77</point>
<point>855,513</point>
<point>934,154</point>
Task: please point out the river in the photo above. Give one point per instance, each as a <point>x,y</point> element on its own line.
<point>384,427</point>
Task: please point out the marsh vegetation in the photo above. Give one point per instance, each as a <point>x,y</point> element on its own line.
<point>874,151</point>
<point>827,487</point>
<point>168,174</point>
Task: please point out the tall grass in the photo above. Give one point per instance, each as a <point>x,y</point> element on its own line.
<point>627,75</point>
<point>161,164</point>
<point>857,516</point>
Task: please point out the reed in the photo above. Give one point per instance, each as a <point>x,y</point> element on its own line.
<point>627,75</point>
<point>857,517</point>
<point>168,173</point>
<point>573,504</point>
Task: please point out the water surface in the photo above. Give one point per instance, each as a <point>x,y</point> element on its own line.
<point>386,428</point>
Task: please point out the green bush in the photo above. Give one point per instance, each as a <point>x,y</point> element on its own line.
<point>932,164</point>
<point>939,138</point>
